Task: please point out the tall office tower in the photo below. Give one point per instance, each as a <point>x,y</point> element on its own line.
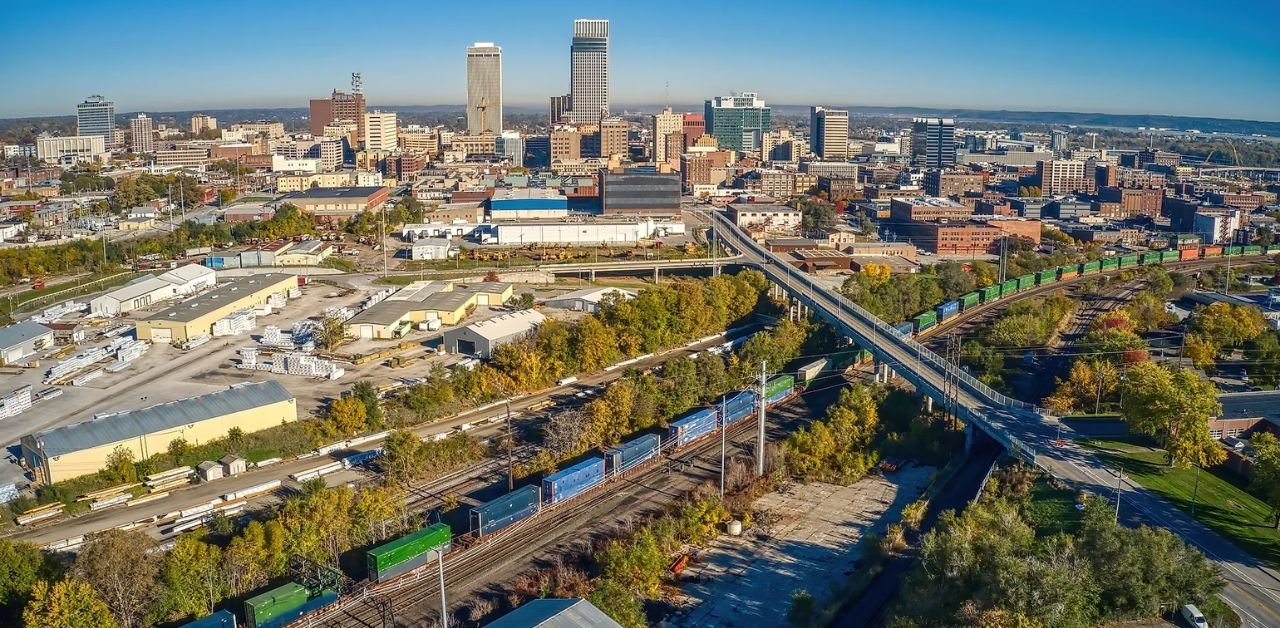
<point>589,71</point>
<point>340,106</point>
<point>933,142</point>
<point>1061,176</point>
<point>664,124</point>
<point>560,107</point>
<point>694,127</point>
<point>738,122</point>
<point>829,133</point>
<point>484,89</point>
<point>201,123</point>
<point>143,134</point>
<point>97,116</point>
<point>380,131</point>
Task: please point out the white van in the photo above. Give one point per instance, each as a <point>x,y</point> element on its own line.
<point>1194,617</point>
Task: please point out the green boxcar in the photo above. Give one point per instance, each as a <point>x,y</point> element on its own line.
<point>864,356</point>
<point>1274,248</point>
<point>1091,267</point>
<point>1009,287</point>
<point>990,293</point>
<point>1047,276</point>
<point>1129,260</point>
<point>1150,257</point>
<point>408,546</point>
<point>1253,249</point>
<point>1111,263</point>
<point>779,384</point>
<point>969,300</point>
<point>1026,281</point>
<point>1233,250</point>
<point>267,606</point>
<point>1169,256</point>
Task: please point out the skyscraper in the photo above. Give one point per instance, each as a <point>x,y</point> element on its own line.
<point>829,133</point>
<point>589,71</point>
<point>341,106</point>
<point>97,116</point>
<point>560,107</point>
<point>738,122</point>
<point>664,124</point>
<point>201,123</point>
<point>933,142</point>
<point>380,131</point>
<point>143,134</point>
<point>484,89</point>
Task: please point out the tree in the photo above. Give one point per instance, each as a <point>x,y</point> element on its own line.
<point>193,576</point>
<point>524,302</point>
<point>1088,383</point>
<point>619,603</point>
<point>1173,405</point>
<point>69,603</point>
<point>1263,355</point>
<point>368,395</point>
<point>348,416</point>
<point>122,567</point>
<point>400,456</point>
<point>1227,324</point>
<point>120,464</point>
<point>333,331</point>
<point>178,449</point>
<point>1202,351</point>
<point>1266,470</point>
<point>254,556</point>
<point>803,610</point>
<point>22,565</point>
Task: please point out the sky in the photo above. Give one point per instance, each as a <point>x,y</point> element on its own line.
<point>1178,57</point>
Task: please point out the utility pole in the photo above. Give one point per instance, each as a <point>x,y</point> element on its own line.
<point>1119,480</point>
<point>382,238</point>
<point>724,427</point>
<point>444,605</point>
<point>760,420</point>
<point>1004,243</point>
<point>511,480</point>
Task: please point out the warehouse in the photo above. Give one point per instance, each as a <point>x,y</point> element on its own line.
<point>480,339</point>
<point>589,299</point>
<point>83,448</point>
<point>195,317</point>
<point>527,203</point>
<point>21,341</point>
<point>337,204</point>
<point>556,613</point>
<point>150,290</point>
<point>424,301</point>
<point>305,253</point>
<point>430,249</point>
<point>584,233</point>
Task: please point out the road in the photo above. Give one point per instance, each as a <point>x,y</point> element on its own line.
<point>1252,588</point>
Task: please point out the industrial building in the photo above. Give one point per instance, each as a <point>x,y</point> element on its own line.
<point>152,290</point>
<point>423,302</point>
<point>305,253</point>
<point>527,203</point>
<point>195,317</point>
<point>480,339</point>
<point>22,340</point>
<point>640,192</point>
<point>336,204</point>
<point>430,249</point>
<point>584,233</point>
<point>556,613</point>
<point>83,448</point>
<point>779,217</point>
<point>588,299</point>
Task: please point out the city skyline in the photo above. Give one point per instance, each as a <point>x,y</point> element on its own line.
<point>973,56</point>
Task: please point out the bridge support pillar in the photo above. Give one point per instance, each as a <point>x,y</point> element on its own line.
<point>875,369</point>
<point>969,435</point>
<point>655,275</point>
<point>928,404</point>
<point>592,276</point>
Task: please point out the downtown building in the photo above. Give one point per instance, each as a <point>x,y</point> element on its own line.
<point>589,71</point>
<point>143,134</point>
<point>338,107</point>
<point>97,116</point>
<point>664,125</point>
<point>829,133</point>
<point>484,88</point>
<point>738,122</point>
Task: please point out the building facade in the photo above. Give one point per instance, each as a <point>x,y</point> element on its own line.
<point>738,122</point>
<point>947,184</point>
<point>338,107</point>
<point>142,134</point>
<point>663,125</point>
<point>829,133</point>
<point>640,191</point>
<point>589,71</point>
<point>927,209</point>
<point>933,142</point>
<point>380,131</point>
<point>72,150</point>
<point>560,107</point>
<point>1063,176</point>
<point>97,116</point>
<point>201,123</point>
<point>484,88</point>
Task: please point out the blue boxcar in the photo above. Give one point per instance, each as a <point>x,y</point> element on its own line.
<point>693,425</point>
<point>359,458</point>
<point>738,406</point>
<point>630,454</point>
<point>948,309</point>
<point>513,507</point>
<point>220,619</point>
<point>905,327</point>
<point>284,619</point>
<point>570,482</point>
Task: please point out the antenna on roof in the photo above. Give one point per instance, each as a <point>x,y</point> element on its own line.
<point>666,96</point>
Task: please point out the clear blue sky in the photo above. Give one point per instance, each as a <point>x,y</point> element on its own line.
<point>1185,57</point>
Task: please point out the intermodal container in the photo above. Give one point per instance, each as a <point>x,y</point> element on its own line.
<point>1026,281</point>
<point>969,300</point>
<point>513,507</point>
<point>1189,254</point>
<point>1129,260</point>
<point>261,609</point>
<point>288,617</point>
<point>1213,251</point>
<point>220,619</point>
<point>408,552</point>
<point>1253,249</point>
<point>990,293</point>
<point>693,425</point>
<point>1233,250</point>
<point>1089,268</point>
<point>738,406</point>
<point>1150,257</point>
<point>840,361</point>
<point>571,482</point>
<point>1169,256</point>
<point>864,356</point>
<point>947,310</point>
<point>905,327</point>
<point>632,453</point>
<point>1111,263</point>
<point>1008,287</point>
<point>924,321</point>
<point>362,457</point>
<point>808,372</point>
<point>1068,272</point>
<point>779,388</point>
<point>1045,277</point>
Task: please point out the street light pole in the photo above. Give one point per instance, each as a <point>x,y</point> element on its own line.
<point>444,605</point>
<point>1119,479</point>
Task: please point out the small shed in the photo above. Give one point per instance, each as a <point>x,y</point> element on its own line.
<point>233,465</point>
<point>209,471</point>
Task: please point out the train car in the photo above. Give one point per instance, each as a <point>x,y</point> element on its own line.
<point>1187,255</point>
<point>1046,277</point>
<point>1151,257</point>
<point>1026,281</point>
<point>779,388</point>
<point>1091,268</point>
<point>266,608</point>
<point>362,457</point>
<point>1110,263</point>
<point>1009,287</point>
<point>990,293</point>
<point>633,453</point>
<point>947,310</point>
<point>810,371</point>
<point>924,321</point>
<point>1212,251</point>
<point>905,328</point>
<point>504,511</point>
<point>692,426</point>
<point>571,482</point>
<point>1129,260</point>
<point>1253,249</point>
<point>220,619</point>
<point>1169,255</point>
<point>1233,250</point>
<point>1068,272</point>
<point>738,406</point>
<point>409,552</point>
<point>969,300</point>
<point>321,600</point>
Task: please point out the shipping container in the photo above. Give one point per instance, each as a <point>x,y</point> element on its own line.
<point>1212,251</point>
<point>969,300</point>
<point>1009,287</point>
<point>633,453</point>
<point>947,310</point>
<point>1111,263</point>
<point>1150,257</point>
<point>779,388</point>
<point>571,482</point>
<point>511,508</point>
<point>693,425</point>
<point>1189,254</point>
<point>220,619</point>
<point>924,321</point>
<point>808,372</point>
<point>361,457</point>
<point>738,406</point>
<point>1046,277</point>
<point>1233,250</point>
<point>322,600</point>
<point>1168,256</point>
<point>1026,281</point>
<point>990,293</point>
<point>1253,249</point>
<point>1089,268</point>
<point>905,328</point>
<point>408,552</point>
<point>265,607</point>
<point>219,262</point>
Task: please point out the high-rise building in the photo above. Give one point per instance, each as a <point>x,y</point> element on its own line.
<point>510,144</point>
<point>694,126</point>
<point>738,122</point>
<point>933,142</point>
<point>664,124</point>
<point>380,131</point>
<point>340,106</point>
<point>201,123</point>
<point>560,107</point>
<point>613,137</point>
<point>589,71</point>
<point>97,116</point>
<point>143,134</point>
<point>537,151</point>
<point>484,88</point>
<point>829,133</point>
<point>565,145</point>
<point>1062,176</point>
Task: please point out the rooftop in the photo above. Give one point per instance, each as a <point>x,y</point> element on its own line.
<point>931,201</point>
<point>192,309</point>
<point>555,613</point>
<point>508,324</point>
<point>595,295</point>
<point>356,192</point>
<point>20,333</point>
<point>511,194</point>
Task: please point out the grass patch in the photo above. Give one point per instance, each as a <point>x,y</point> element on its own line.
<point>1052,509</point>
<point>1222,503</point>
<point>346,266</point>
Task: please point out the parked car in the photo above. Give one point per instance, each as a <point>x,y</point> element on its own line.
<point>1193,617</point>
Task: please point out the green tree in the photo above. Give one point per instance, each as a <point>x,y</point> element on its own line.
<point>69,603</point>
<point>193,576</point>
<point>123,568</point>
<point>332,332</point>
<point>254,556</point>
<point>348,415</point>
<point>1173,405</point>
<point>120,464</point>
<point>803,609</point>
<point>22,565</point>
<point>1263,355</point>
<point>1266,470</point>
<point>619,603</point>
<point>368,395</point>
<point>1227,324</point>
<point>524,302</point>
<point>178,450</point>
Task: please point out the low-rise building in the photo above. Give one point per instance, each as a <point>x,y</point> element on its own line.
<point>968,238</point>
<point>589,299</point>
<point>248,213</point>
<point>584,233</point>
<point>147,291</point>
<point>927,209</point>
<point>195,317</point>
<point>527,203</point>
<point>23,340</point>
<point>337,204</point>
<point>137,224</point>
<point>768,216</point>
<point>640,192</point>
<point>423,302</point>
<point>904,250</point>
<point>482,338</point>
<point>431,249</point>
<point>305,253</point>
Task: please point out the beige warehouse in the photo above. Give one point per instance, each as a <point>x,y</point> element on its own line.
<point>195,317</point>
<point>83,448</point>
